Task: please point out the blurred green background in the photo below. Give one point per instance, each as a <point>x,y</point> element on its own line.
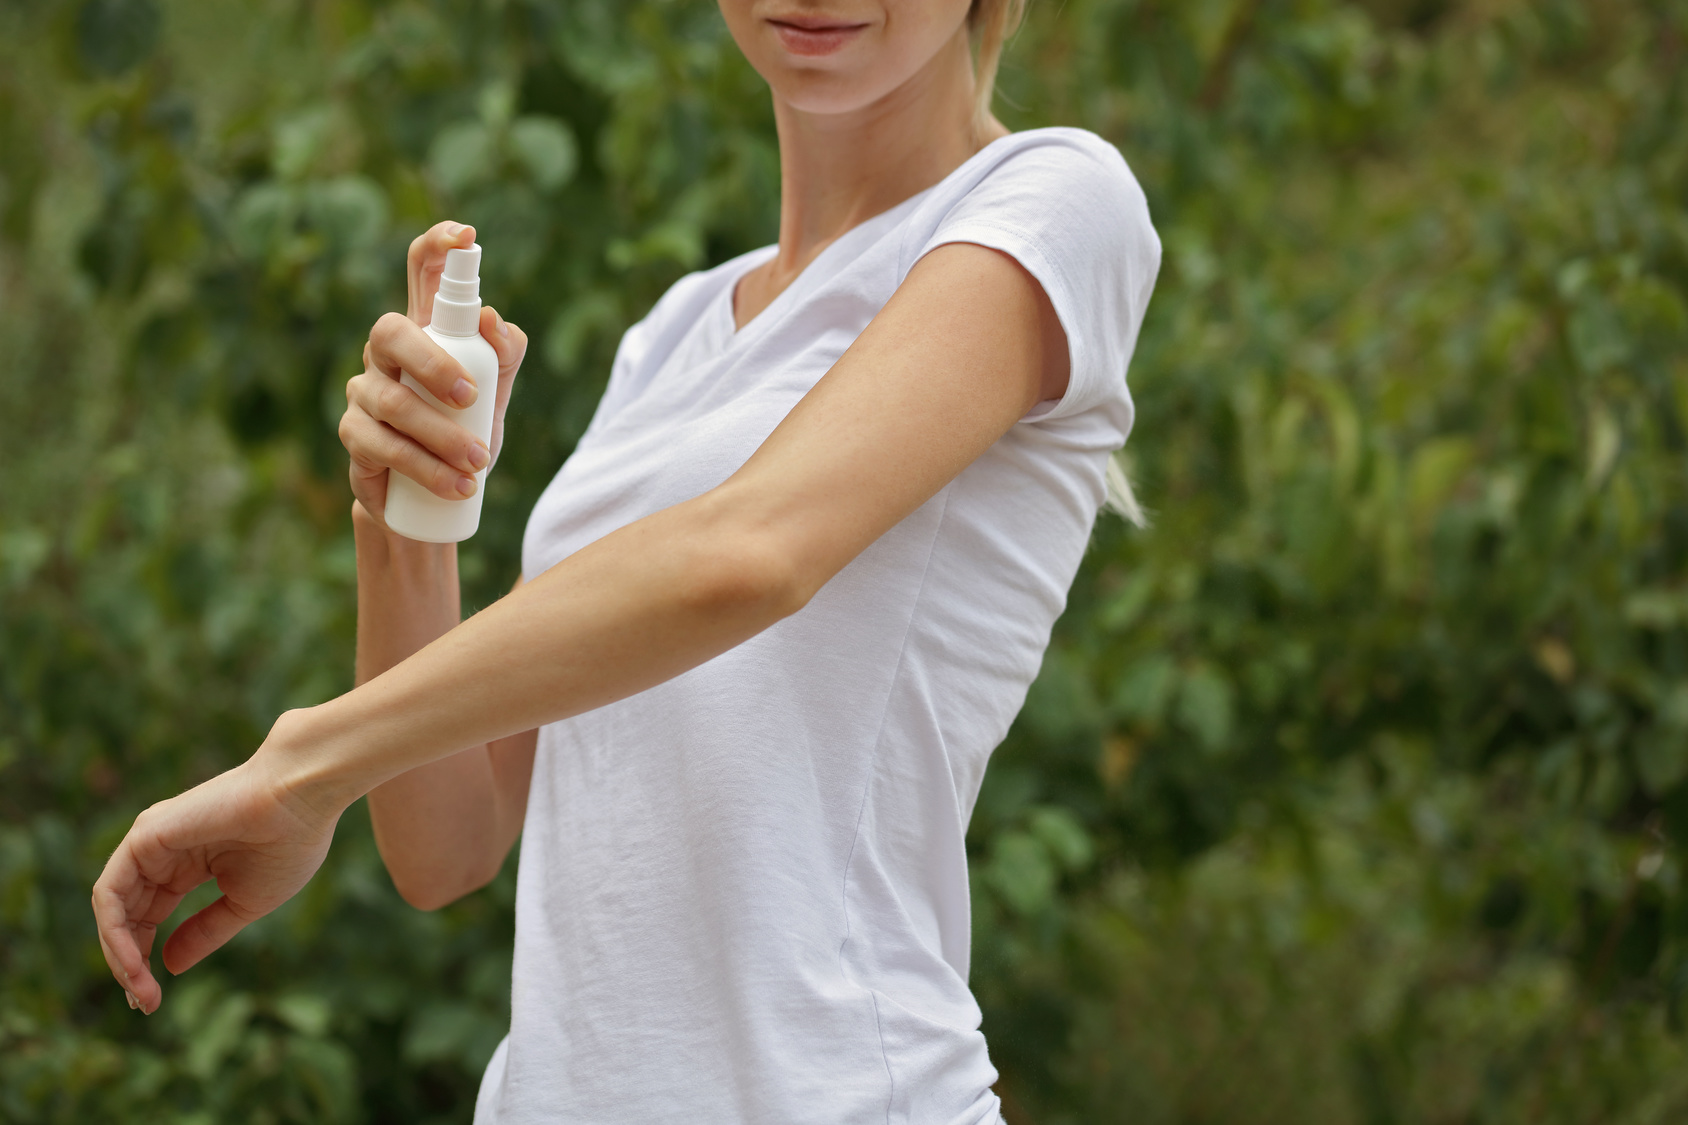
<point>1353,791</point>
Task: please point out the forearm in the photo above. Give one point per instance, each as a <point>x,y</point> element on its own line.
<point>955,359</point>
<point>641,605</point>
<point>408,597</point>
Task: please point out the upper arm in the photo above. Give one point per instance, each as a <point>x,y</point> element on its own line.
<point>962,350</point>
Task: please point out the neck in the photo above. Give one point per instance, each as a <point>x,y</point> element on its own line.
<point>838,169</point>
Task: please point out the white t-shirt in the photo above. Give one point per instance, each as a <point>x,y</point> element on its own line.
<point>742,895</point>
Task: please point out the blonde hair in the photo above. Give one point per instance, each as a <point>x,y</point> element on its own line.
<point>991,22</point>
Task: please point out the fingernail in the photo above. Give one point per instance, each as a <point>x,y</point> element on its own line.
<point>131,997</point>
<point>454,230</point>
<point>479,455</point>
<point>463,392</point>
<point>466,485</point>
<point>503,329</point>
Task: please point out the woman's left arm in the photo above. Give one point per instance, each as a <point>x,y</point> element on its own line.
<point>962,350</point>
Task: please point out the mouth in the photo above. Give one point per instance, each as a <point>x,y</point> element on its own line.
<point>815,35</point>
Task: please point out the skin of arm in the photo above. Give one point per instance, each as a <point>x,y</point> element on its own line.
<point>955,358</point>
<point>443,828</point>
<point>885,106</point>
<point>961,351</point>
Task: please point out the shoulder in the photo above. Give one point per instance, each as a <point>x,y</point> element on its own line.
<point>1070,169</point>
<point>1072,178</point>
<point>1076,154</point>
<point>1064,204</point>
<point>1065,189</point>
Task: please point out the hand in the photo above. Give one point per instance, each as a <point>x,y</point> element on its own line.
<point>387,426</point>
<point>243,828</point>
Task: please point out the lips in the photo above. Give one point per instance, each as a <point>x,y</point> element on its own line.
<point>811,37</point>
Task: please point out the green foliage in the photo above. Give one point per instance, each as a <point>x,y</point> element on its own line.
<point>1353,791</point>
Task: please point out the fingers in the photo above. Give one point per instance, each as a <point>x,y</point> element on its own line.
<point>203,934</point>
<point>122,953</point>
<point>506,339</point>
<point>426,261</point>
<point>128,905</point>
<point>398,346</point>
<point>369,492</point>
<point>398,406</point>
<point>511,343</point>
<point>388,426</point>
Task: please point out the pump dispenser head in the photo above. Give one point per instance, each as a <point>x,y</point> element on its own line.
<point>457,306</point>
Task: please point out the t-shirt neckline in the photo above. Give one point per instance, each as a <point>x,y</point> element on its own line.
<point>757,257</point>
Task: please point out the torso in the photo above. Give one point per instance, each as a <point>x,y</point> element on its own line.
<point>742,895</point>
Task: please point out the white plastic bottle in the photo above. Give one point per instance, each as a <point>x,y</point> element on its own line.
<point>412,510</point>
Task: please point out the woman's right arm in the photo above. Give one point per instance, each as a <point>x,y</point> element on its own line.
<point>443,829</point>
<point>964,348</point>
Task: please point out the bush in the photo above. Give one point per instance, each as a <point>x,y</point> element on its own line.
<point>1352,790</point>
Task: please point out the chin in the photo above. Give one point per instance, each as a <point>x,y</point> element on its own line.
<point>827,94</point>
<point>841,56</point>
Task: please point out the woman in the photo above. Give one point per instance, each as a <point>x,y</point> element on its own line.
<point>776,610</point>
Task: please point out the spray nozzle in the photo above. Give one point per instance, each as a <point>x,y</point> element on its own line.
<point>457,306</point>
<point>463,265</point>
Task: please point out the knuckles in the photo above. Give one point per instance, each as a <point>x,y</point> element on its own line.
<point>392,398</point>
<point>444,481</point>
<point>387,328</point>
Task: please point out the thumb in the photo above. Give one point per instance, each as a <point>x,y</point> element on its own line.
<point>425,262</point>
<point>204,933</point>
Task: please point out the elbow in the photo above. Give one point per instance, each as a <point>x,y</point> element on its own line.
<point>745,572</point>
<point>434,892</point>
<point>426,899</point>
<point>750,582</point>
<point>425,896</point>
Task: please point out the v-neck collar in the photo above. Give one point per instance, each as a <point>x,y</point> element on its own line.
<point>735,335</point>
<point>810,271</point>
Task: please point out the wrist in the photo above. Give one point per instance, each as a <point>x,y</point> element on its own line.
<point>381,548</point>
<point>302,764</point>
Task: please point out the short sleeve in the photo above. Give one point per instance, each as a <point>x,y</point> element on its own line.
<point>1071,213</point>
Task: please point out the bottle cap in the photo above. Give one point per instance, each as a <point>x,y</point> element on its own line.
<point>457,306</point>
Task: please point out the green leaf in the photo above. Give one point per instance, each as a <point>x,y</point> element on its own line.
<point>1206,707</point>
<point>575,324</point>
<point>1021,872</point>
<point>306,1013</point>
<point>113,36</point>
<point>264,218</point>
<point>545,149</point>
<point>1145,689</point>
<point>350,211</point>
<point>300,140</point>
<point>462,155</point>
<point>219,1034</point>
<point>1060,832</point>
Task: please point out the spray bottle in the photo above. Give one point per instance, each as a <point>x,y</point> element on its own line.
<point>412,510</point>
